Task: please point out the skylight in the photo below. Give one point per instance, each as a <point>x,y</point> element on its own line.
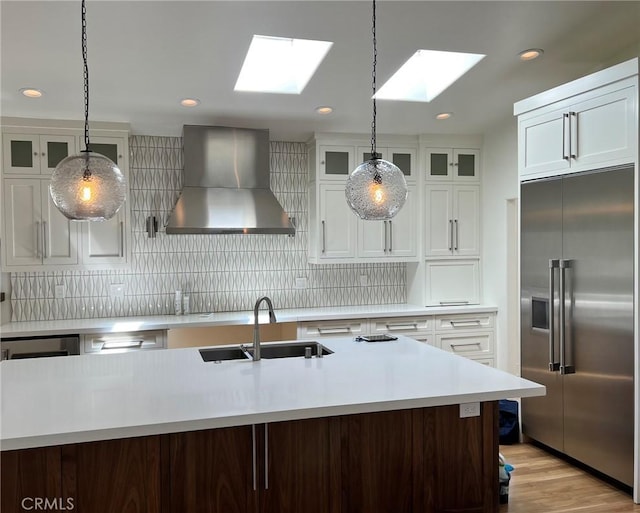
<point>426,74</point>
<point>280,64</point>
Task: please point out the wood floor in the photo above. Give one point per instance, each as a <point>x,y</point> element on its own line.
<point>542,483</point>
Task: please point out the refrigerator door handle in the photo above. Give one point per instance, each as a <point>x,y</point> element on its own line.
<point>564,368</point>
<point>566,136</point>
<point>553,365</point>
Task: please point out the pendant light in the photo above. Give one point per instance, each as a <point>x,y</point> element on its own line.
<point>87,186</point>
<point>377,189</point>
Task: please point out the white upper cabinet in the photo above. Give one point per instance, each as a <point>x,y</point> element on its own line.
<point>403,158</point>
<point>35,235</point>
<point>32,154</point>
<point>452,164</point>
<point>452,224</point>
<point>336,234</point>
<point>392,240</point>
<point>587,124</point>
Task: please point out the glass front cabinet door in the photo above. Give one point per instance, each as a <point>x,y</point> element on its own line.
<point>448,164</point>
<point>32,154</point>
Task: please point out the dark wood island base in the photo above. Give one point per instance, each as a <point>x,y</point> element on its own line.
<point>424,460</point>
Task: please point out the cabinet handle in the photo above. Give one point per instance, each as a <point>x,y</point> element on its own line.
<point>266,456</point>
<point>121,238</point>
<point>565,136</point>
<point>35,153</point>
<point>331,331</point>
<point>38,252</point>
<point>390,237</point>
<point>44,239</point>
<point>450,235</point>
<point>398,327</point>
<point>254,458</point>
<point>464,302</point>
<point>466,322</point>
<point>323,238</point>
<point>44,154</point>
<point>385,236</point>
<point>455,222</point>
<point>465,345</point>
<point>573,130</point>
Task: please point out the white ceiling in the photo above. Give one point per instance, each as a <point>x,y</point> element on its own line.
<point>144,56</point>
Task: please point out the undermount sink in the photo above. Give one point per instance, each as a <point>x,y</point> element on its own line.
<point>268,351</point>
<point>221,354</point>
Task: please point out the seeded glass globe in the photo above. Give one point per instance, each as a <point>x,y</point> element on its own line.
<point>376,190</point>
<point>88,187</point>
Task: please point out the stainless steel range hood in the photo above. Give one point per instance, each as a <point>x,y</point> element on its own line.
<point>226,184</point>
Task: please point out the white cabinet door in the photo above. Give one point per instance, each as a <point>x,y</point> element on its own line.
<point>403,229</point>
<point>32,154</point>
<point>60,242</point>
<point>336,162</point>
<point>452,282</point>
<point>602,130</point>
<point>373,238</point>
<point>439,222</point>
<point>103,242</point>
<point>466,222</point>
<point>403,157</point>
<point>23,221</point>
<point>466,165</point>
<point>337,224</point>
<point>106,243</point>
<point>439,164</point>
<point>543,143</point>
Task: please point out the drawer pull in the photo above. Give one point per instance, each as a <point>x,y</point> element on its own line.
<point>125,344</point>
<point>466,322</point>
<point>397,327</point>
<point>339,329</point>
<point>465,345</point>
<point>453,303</point>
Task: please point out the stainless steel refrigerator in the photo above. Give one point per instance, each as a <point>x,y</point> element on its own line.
<point>577,310</point>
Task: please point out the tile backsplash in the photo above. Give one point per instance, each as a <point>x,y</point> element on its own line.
<point>220,272</point>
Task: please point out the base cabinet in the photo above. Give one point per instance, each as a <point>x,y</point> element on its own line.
<point>423,460</point>
<point>97,477</point>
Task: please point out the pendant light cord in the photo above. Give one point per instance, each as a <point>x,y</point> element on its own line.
<point>373,82</point>
<point>86,77</point>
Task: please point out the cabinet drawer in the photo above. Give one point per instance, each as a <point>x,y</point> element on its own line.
<point>468,344</point>
<point>108,343</point>
<point>338,328</point>
<point>403,325</point>
<point>463,322</point>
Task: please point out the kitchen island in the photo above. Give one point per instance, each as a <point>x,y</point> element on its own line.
<point>370,426</point>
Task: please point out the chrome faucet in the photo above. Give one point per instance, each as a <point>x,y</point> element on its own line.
<point>256,329</point>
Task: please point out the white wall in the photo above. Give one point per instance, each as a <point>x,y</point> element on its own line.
<point>499,185</point>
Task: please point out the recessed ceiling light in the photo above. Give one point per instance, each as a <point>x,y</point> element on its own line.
<point>30,92</point>
<point>280,64</point>
<point>324,110</point>
<point>530,54</point>
<point>443,115</point>
<point>426,74</point>
<point>189,102</point>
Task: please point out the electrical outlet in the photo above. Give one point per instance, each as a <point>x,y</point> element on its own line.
<point>469,410</point>
<point>364,280</point>
<point>60,292</point>
<point>116,290</point>
<point>301,283</point>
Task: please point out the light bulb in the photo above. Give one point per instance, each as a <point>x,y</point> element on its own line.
<point>86,193</point>
<point>377,193</point>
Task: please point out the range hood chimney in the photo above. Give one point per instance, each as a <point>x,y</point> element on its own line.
<point>226,184</point>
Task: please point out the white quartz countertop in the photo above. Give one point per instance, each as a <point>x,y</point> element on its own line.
<point>142,323</point>
<point>51,401</point>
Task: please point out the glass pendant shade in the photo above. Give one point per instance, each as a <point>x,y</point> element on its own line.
<point>376,190</point>
<point>88,187</point>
